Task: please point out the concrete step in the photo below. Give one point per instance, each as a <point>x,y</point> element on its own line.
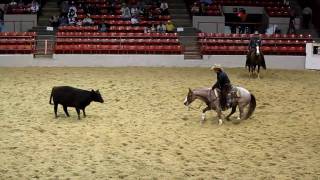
<point>193,57</point>
<point>47,56</point>
<point>177,6</point>
<point>178,11</point>
<point>180,16</point>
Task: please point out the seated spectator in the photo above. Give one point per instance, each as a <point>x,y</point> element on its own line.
<point>72,11</point>
<point>134,11</point>
<point>164,8</point>
<point>206,2</point>
<point>170,27</point>
<point>87,21</point>
<point>161,28</point>
<point>79,22</point>
<point>203,9</point>
<point>64,6</point>
<point>125,12</point>
<point>195,9</point>
<point>54,21</point>
<point>103,27</point>
<point>34,7</point>
<point>135,20</point>
<point>153,28</point>
<point>146,30</point>
<point>1,20</point>
<point>63,20</point>
<point>71,17</point>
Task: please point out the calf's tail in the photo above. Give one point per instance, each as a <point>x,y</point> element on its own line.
<point>50,102</point>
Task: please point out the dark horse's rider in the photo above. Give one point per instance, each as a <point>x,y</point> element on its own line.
<point>223,83</point>
<point>255,41</point>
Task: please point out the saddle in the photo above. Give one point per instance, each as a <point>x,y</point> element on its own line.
<point>231,97</point>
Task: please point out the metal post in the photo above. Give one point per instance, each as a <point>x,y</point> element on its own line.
<point>45,46</point>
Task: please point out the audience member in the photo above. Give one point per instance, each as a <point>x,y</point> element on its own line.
<point>34,7</point>
<point>87,21</point>
<point>1,19</point>
<point>195,9</point>
<point>161,28</point>
<point>170,27</point>
<point>306,16</point>
<point>54,21</point>
<point>125,12</point>
<point>164,8</point>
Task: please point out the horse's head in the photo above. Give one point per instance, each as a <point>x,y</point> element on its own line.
<point>189,98</point>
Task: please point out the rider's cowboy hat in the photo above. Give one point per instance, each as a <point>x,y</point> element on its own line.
<point>216,67</point>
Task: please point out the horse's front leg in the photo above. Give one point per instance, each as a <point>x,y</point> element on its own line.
<point>232,112</point>
<point>218,110</point>
<point>203,116</point>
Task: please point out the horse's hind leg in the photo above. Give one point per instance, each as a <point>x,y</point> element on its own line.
<point>258,71</point>
<point>241,112</point>
<point>233,110</point>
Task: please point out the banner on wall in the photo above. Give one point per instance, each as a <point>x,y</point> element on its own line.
<point>312,56</point>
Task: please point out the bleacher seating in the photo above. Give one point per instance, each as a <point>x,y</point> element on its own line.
<point>117,43</point>
<point>17,42</point>
<point>275,44</point>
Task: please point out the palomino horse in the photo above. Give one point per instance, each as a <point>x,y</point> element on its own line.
<point>254,59</point>
<point>238,96</point>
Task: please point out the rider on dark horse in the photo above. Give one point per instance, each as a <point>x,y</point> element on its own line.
<point>255,41</point>
<point>223,84</point>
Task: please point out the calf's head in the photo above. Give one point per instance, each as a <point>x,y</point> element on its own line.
<point>96,96</point>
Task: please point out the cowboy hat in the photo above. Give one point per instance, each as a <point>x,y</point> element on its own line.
<point>216,67</point>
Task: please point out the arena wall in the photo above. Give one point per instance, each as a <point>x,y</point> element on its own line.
<point>99,60</point>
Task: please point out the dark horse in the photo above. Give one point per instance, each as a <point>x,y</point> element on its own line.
<point>239,96</point>
<point>255,58</point>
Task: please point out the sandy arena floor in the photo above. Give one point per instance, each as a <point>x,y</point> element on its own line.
<point>143,131</point>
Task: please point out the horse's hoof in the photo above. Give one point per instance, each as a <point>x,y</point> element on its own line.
<point>220,122</point>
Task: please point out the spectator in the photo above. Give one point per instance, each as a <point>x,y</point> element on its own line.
<point>306,16</point>
<point>1,20</point>
<point>87,21</point>
<point>64,7</point>
<point>63,20</point>
<point>170,27</point>
<point>153,28</point>
<point>135,20</point>
<point>134,11</point>
<point>206,2</point>
<point>195,9</point>
<point>164,8</point>
<point>292,15</point>
<point>125,12</point>
<point>79,22</point>
<point>34,7</point>
<point>146,30</point>
<point>203,9</point>
<point>103,27</point>
<point>72,10</point>
<point>243,18</point>
<point>161,28</point>
<point>54,21</point>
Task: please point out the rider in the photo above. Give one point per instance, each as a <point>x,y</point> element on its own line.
<point>223,83</point>
<point>255,41</point>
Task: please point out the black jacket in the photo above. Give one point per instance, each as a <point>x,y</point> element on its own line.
<point>222,80</point>
<point>254,41</point>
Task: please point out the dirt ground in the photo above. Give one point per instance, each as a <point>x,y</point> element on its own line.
<point>143,130</point>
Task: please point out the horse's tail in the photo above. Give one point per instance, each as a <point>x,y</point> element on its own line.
<point>50,102</point>
<point>252,106</point>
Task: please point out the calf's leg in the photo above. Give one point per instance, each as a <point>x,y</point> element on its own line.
<point>66,110</point>
<point>55,109</point>
<point>78,112</point>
